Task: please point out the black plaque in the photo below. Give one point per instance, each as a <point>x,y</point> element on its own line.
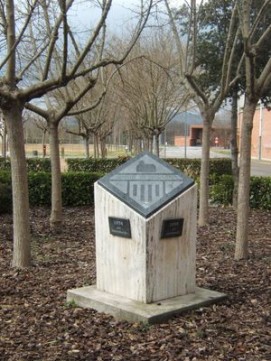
<point>172,228</point>
<point>120,227</point>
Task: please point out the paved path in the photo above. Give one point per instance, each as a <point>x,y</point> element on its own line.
<point>189,152</point>
<point>258,167</point>
<point>261,168</point>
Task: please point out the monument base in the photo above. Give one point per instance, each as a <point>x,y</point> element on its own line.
<point>133,311</point>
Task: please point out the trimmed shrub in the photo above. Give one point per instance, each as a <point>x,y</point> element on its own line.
<point>38,164</point>
<point>260,192</point>
<point>189,166</point>
<point>221,190</point>
<point>77,188</point>
<point>4,163</point>
<point>33,164</point>
<point>104,165</point>
<point>39,188</point>
<point>5,177</point>
<point>5,198</point>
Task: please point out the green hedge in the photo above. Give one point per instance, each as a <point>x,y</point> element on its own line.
<point>5,198</point>
<point>189,166</point>
<point>39,184</point>
<point>33,164</point>
<point>5,177</point>
<point>5,192</point>
<point>260,192</point>
<point>94,165</point>
<point>77,188</point>
<point>221,190</point>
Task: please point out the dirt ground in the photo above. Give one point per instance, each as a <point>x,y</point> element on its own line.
<point>37,324</point>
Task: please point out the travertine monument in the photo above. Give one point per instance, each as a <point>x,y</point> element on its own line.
<point>145,221</point>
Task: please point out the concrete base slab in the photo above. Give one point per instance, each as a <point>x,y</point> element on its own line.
<point>125,309</point>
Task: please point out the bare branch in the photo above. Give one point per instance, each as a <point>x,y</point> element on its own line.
<point>70,103</point>
<point>258,19</point>
<point>263,38</point>
<point>264,80</point>
<point>34,108</point>
<point>53,33</point>
<point>196,88</point>
<point>11,41</point>
<point>92,39</point>
<point>19,38</point>
<point>32,61</point>
<point>177,37</point>
<point>229,51</point>
<point>65,38</point>
<point>89,108</point>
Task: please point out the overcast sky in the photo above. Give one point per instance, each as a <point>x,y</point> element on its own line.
<point>120,17</point>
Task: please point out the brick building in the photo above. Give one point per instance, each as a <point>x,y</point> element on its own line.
<point>261,133</point>
<point>185,129</point>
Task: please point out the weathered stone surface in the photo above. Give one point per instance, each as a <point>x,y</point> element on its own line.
<point>146,183</point>
<point>146,267</point>
<point>126,309</point>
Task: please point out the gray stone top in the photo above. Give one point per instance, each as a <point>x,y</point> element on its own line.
<point>146,183</point>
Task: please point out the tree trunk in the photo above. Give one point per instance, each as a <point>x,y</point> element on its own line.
<point>56,196</point>
<point>137,146</point>
<point>103,147</point>
<point>241,245</point>
<point>156,144</point>
<point>96,146</point>
<point>130,142</point>
<point>146,144</point>
<point>204,174</point>
<point>4,140</point>
<point>44,142</point>
<point>21,228</point>
<point>150,140</point>
<point>234,149</point>
<point>87,145</point>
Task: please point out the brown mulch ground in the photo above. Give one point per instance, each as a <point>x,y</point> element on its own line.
<point>37,324</point>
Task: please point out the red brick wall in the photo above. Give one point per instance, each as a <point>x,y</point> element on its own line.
<point>265,133</point>
<point>180,141</point>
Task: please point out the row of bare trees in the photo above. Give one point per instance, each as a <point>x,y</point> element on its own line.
<point>41,53</point>
<point>51,71</point>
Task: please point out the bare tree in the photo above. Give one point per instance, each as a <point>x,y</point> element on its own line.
<point>207,97</point>
<point>42,125</point>
<point>99,122</point>
<point>20,83</point>
<point>149,89</point>
<point>3,135</point>
<point>92,114</point>
<point>234,145</point>
<point>256,36</point>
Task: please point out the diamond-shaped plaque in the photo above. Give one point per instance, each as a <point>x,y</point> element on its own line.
<point>146,183</point>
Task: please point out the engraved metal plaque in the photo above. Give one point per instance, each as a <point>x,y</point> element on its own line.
<point>172,228</point>
<point>119,227</point>
<point>146,183</point>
